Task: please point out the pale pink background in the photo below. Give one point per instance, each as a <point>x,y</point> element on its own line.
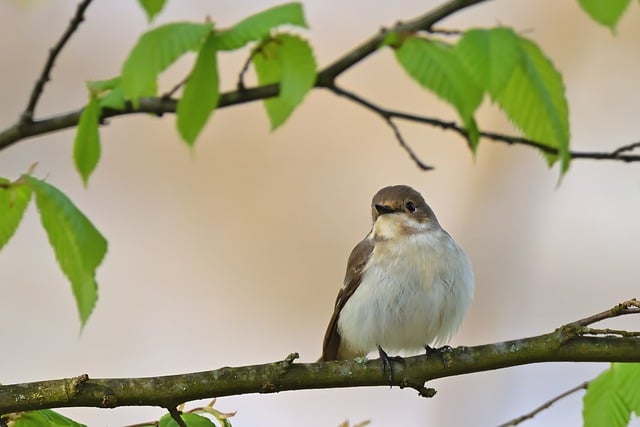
<point>232,254</point>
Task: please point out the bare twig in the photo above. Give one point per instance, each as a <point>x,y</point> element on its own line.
<point>631,306</point>
<point>175,88</point>
<point>545,405</point>
<point>446,32</point>
<point>610,332</point>
<point>407,148</point>
<point>628,147</point>
<point>240,85</point>
<point>45,75</point>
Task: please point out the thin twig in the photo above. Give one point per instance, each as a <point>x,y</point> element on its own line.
<point>406,146</point>
<point>45,75</point>
<point>545,405</point>
<point>631,306</point>
<point>628,147</point>
<point>610,332</point>
<point>174,89</point>
<point>240,85</point>
<point>446,32</point>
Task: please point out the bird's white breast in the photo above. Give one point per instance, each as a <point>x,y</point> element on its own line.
<point>415,291</point>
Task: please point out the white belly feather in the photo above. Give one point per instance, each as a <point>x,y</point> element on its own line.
<point>411,295</point>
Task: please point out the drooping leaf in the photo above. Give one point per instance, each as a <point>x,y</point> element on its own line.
<point>152,7</point>
<point>534,99</point>
<point>86,147</point>
<point>603,406</point>
<point>78,245</point>
<point>287,59</point>
<point>435,66</point>
<point>201,93</point>
<point>156,50</point>
<point>258,26</point>
<point>44,418</point>
<point>14,199</point>
<point>605,12</point>
<point>490,57</point>
<point>192,420</point>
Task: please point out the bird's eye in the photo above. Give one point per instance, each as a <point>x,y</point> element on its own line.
<point>411,207</point>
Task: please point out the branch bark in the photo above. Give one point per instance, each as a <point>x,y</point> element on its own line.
<point>565,344</point>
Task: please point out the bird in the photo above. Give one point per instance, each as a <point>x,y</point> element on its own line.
<point>408,284</point>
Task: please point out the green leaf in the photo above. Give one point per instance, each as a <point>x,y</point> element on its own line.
<point>99,86</point>
<point>287,59</point>
<point>628,384</point>
<point>113,99</point>
<point>44,418</point>
<point>191,420</point>
<point>78,245</point>
<point>605,12</point>
<point>534,100</point>
<point>201,93</point>
<point>109,93</point>
<point>86,147</point>
<point>603,403</point>
<point>436,66</point>
<point>14,198</point>
<point>152,7</point>
<point>258,26</point>
<point>154,52</point>
<point>490,57</point>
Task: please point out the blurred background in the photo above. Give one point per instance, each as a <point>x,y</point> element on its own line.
<point>233,253</point>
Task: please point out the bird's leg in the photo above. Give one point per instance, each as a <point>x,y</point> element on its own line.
<point>386,363</point>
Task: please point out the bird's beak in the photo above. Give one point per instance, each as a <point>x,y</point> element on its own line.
<point>384,209</point>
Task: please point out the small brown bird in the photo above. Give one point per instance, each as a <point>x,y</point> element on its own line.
<point>408,284</point>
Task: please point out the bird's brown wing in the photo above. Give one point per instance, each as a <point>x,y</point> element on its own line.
<point>355,267</point>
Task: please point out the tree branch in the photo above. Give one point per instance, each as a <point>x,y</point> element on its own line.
<point>325,79</point>
<point>566,344</point>
<point>45,75</point>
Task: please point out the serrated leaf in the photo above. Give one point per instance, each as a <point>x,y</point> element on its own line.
<point>627,377</point>
<point>490,56</point>
<point>287,59</point>
<point>152,7</point>
<point>201,93</point>
<point>191,420</point>
<point>534,100</point>
<point>154,52</point>
<point>605,12</point>
<point>14,199</point>
<point>44,418</point>
<point>602,404</point>
<point>78,245</point>
<point>86,147</point>
<point>258,26</point>
<point>435,66</point>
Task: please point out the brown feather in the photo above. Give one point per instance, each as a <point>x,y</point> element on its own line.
<point>333,348</point>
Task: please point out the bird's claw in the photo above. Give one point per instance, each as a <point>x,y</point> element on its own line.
<point>386,363</point>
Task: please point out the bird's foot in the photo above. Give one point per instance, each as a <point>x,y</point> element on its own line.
<point>386,363</point>
<point>443,352</point>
